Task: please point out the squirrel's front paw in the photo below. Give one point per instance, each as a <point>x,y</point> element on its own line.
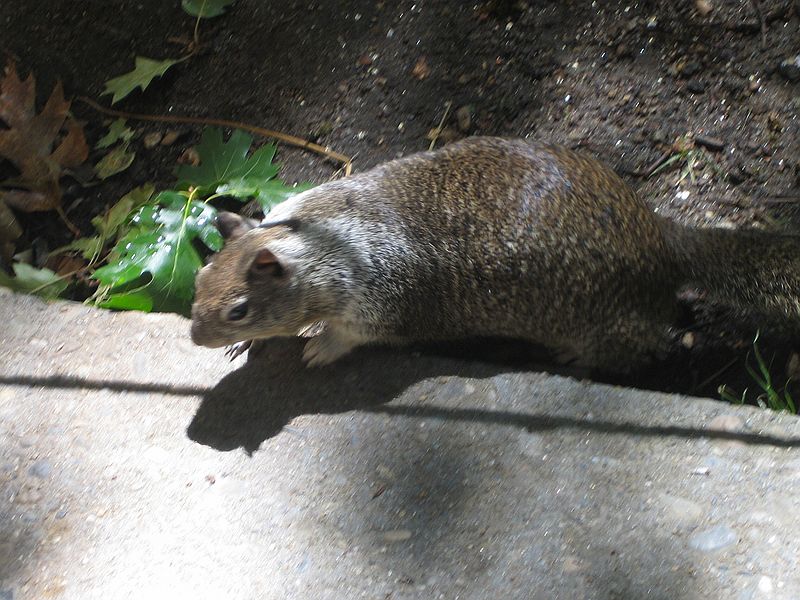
<point>326,348</point>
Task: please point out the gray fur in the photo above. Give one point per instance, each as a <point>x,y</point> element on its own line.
<point>486,237</point>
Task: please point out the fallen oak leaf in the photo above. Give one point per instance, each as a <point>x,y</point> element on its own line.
<point>29,141</point>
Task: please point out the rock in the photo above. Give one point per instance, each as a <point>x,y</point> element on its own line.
<point>790,68</point>
<point>703,7</point>
<point>712,143</point>
<point>696,86</point>
<point>711,540</point>
<point>691,68</point>
<point>41,469</point>
<point>170,137</point>
<point>152,139</point>
<point>464,117</point>
<point>397,535</point>
<point>726,423</point>
<point>6,594</point>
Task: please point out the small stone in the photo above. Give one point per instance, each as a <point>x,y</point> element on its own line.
<point>464,117</point>
<point>189,157</point>
<point>726,423</point>
<point>41,469</point>
<point>61,513</point>
<point>6,594</point>
<point>170,137</point>
<point>687,340</point>
<point>152,139</point>
<point>703,7</point>
<point>790,68</point>
<point>696,86</point>
<point>691,68</point>
<point>397,535</point>
<point>711,540</point>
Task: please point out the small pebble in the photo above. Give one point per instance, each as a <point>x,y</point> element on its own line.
<point>790,68</point>
<point>41,469</point>
<point>703,7</point>
<point>464,117</point>
<point>152,139</point>
<point>170,137</point>
<point>696,86</point>
<point>398,535</point>
<point>713,539</point>
<point>687,340</point>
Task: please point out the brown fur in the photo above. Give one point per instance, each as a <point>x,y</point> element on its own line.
<point>485,237</point>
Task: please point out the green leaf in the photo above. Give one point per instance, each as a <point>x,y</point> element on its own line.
<point>221,162</point>
<point>154,265</point>
<point>116,131</point>
<point>30,280</point>
<point>114,162</point>
<point>267,194</point>
<point>205,8</point>
<point>88,247</point>
<point>144,72</point>
<point>225,168</point>
<point>110,221</point>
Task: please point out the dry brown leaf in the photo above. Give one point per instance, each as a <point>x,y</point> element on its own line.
<point>39,146</point>
<point>421,69</point>
<point>9,232</point>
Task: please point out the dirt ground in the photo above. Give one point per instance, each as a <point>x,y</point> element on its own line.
<point>622,80</point>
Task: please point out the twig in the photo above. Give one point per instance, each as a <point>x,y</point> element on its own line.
<point>649,171</point>
<point>438,131</point>
<point>284,137</point>
<point>70,225</point>
<point>761,20</point>
<point>713,376</point>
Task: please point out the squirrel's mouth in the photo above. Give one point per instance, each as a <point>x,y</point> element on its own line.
<point>200,336</point>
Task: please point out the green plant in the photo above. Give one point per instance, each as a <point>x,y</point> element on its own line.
<point>159,239</point>
<point>770,397</point>
<point>685,152</point>
<point>146,69</point>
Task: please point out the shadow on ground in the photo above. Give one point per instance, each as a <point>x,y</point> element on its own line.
<point>255,402</point>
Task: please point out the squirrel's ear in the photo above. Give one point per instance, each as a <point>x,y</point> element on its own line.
<point>266,263</point>
<point>231,225</point>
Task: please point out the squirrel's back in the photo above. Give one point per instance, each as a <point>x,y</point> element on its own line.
<point>486,236</point>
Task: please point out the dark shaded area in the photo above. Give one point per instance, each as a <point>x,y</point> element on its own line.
<point>256,401</point>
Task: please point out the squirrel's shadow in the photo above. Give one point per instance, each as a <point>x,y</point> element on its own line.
<point>254,402</point>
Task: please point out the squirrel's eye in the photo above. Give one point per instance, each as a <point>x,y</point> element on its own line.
<point>238,311</point>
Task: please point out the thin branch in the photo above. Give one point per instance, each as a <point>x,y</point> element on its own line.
<point>284,137</point>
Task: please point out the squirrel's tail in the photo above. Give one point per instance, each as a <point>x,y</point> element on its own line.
<point>755,271</point>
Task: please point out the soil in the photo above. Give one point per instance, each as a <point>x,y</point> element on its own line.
<point>622,80</point>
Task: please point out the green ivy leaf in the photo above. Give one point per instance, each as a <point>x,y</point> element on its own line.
<point>116,131</point>
<point>153,266</point>
<point>225,168</point>
<point>116,161</point>
<point>144,72</point>
<point>205,9</point>
<point>30,280</point>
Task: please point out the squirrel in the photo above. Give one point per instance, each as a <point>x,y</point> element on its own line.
<point>485,237</point>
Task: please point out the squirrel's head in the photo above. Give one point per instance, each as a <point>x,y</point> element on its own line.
<point>260,285</point>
